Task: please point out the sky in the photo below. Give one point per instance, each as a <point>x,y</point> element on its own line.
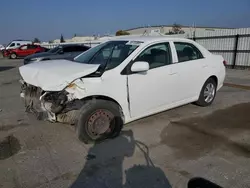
<point>48,19</point>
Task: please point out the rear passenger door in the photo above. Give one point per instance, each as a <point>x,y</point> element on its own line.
<point>31,49</point>
<point>23,50</point>
<point>190,69</point>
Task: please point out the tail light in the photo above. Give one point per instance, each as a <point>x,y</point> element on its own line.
<point>225,63</point>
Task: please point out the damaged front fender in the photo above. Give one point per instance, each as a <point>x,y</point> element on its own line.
<point>52,106</point>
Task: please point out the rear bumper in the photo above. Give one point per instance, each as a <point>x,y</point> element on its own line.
<point>221,78</point>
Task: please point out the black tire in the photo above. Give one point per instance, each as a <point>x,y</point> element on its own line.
<point>13,56</point>
<point>202,100</point>
<point>90,109</point>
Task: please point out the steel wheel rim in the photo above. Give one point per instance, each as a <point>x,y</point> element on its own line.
<point>209,92</point>
<point>99,123</point>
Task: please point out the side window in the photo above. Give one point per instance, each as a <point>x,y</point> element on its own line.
<point>18,44</point>
<point>187,52</point>
<point>156,55</point>
<point>84,48</point>
<point>68,49</point>
<point>12,44</point>
<point>80,48</point>
<point>31,47</point>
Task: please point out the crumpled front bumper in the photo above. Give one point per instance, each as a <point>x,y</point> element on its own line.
<point>34,103</point>
<point>51,106</point>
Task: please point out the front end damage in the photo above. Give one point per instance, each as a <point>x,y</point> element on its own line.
<point>52,106</point>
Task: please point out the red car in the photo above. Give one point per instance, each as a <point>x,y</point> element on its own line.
<point>24,51</point>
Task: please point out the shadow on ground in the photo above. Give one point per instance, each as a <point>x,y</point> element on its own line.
<point>104,166</point>
<point>5,68</point>
<point>195,137</point>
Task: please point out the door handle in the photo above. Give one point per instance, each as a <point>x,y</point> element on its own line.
<point>205,66</point>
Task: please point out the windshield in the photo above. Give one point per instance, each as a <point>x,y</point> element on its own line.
<point>109,54</point>
<point>54,50</point>
<point>9,44</point>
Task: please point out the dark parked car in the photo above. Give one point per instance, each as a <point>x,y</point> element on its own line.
<point>66,51</point>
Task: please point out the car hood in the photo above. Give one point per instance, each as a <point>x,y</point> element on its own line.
<point>41,54</point>
<point>55,75</point>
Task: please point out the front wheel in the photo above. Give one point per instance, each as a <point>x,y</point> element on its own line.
<point>99,120</point>
<point>13,56</point>
<point>208,93</point>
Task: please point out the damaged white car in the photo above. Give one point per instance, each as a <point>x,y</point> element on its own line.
<point>120,81</point>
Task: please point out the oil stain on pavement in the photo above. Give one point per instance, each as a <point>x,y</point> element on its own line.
<point>195,137</point>
<point>9,146</point>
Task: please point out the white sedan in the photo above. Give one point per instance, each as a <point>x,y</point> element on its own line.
<point>120,81</point>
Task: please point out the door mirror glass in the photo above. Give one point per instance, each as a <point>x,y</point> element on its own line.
<point>140,66</point>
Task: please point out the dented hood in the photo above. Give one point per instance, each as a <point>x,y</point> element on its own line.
<point>55,75</point>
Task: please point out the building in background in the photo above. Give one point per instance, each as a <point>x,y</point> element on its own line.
<point>77,39</point>
<point>188,31</point>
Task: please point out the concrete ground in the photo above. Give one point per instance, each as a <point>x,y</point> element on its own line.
<point>164,150</point>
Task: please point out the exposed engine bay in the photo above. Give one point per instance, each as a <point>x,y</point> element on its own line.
<point>51,106</point>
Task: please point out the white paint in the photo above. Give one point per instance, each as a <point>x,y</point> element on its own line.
<point>140,66</point>
<point>149,92</point>
<point>54,75</point>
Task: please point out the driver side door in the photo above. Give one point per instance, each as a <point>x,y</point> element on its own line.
<point>152,91</point>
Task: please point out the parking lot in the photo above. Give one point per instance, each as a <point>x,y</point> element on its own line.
<point>164,150</point>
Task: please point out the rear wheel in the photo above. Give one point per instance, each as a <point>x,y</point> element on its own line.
<point>99,120</point>
<point>13,56</point>
<point>208,93</point>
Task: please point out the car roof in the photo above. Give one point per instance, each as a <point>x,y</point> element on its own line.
<point>148,39</point>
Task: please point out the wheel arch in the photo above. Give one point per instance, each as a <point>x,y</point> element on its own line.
<point>214,78</point>
<point>103,97</point>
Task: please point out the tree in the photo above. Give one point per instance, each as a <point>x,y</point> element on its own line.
<point>36,40</point>
<point>121,32</point>
<point>62,39</point>
<point>176,29</point>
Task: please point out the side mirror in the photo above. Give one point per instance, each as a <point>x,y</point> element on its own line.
<point>140,66</point>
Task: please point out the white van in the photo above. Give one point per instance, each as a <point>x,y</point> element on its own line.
<point>17,43</point>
